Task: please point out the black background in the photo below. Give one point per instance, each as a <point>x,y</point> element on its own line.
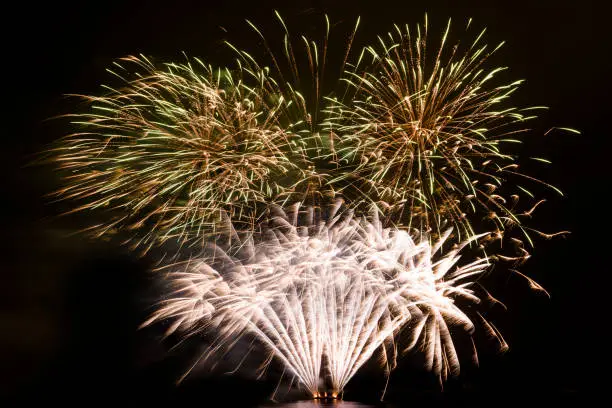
<point>69,307</point>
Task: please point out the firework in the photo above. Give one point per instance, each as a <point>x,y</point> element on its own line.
<point>426,134</point>
<point>299,76</point>
<point>174,146</point>
<point>191,154</point>
<point>325,292</point>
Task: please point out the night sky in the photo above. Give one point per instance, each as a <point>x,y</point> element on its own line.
<point>70,306</point>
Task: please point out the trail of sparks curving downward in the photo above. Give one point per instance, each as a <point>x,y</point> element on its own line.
<point>324,295</point>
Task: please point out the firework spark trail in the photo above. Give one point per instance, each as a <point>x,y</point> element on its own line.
<point>298,78</point>
<point>332,289</point>
<point>173,147</point>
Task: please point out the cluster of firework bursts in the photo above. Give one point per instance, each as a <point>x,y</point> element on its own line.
<point>327,226</point>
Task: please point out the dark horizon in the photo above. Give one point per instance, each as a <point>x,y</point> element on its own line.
<point>71,305</point>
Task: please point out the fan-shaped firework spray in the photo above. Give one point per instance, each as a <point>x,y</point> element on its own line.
<point>330,289</point>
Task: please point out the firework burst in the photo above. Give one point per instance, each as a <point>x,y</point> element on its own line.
<point>424,133</point>
<point>174,146</point>
<point>325,292</point>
